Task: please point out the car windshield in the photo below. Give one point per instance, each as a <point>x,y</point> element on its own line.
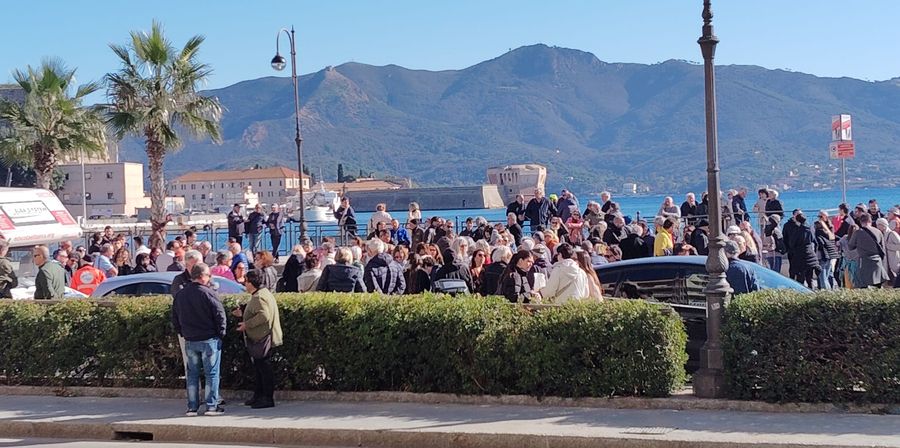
<point>23,263</point>
<point>769,279</point>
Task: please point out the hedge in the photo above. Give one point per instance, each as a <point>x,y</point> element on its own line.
<point>359,342</point>
<point>841,346</point>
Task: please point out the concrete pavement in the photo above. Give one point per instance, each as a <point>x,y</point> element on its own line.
<point>318,423</point>
<point>59,443</point>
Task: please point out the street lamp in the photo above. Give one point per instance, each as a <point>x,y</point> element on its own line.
<point>278,63</point>
<point>709,381</point>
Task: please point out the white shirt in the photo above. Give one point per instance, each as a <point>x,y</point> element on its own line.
<point>567,282</point>
<point>142,249</point>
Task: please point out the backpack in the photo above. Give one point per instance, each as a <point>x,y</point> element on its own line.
<point>779,243</point>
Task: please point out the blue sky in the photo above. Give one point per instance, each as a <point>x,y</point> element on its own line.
<point>825,37</point>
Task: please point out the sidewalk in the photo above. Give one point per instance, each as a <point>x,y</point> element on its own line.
<point>322,423</point>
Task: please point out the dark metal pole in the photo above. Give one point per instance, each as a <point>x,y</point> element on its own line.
<point>298,139</point>
<point>709,381</point>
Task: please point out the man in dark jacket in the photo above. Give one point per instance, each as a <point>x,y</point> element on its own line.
<point>198,317</point>
<point>616,232</point>
<point>741,278</point>
<point>275,223</point>
<point>700,237</point>
<point>236,224</point>
<point>453,268</point>
<point>689,208</point>
<point>341,276</point>
<point>382,273</point>
<point>774,205</point>
<point>517,207</point>
<point>490,278</point>
<point>346,219</point>
<point>416,234</point>
<point>633,246</point>
<point>254,227</point>
<point>191,258</point>
<point>539,210</point>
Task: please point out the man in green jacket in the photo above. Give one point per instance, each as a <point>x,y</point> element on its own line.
<point>50,282</point>
<point>8,279</point>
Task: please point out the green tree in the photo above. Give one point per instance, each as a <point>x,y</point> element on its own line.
<point>340,172</point>
<point>51,123</point>
<point>155,95</point>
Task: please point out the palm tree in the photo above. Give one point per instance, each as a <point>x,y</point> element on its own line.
<point>154,95</point>
<point>51,122</point>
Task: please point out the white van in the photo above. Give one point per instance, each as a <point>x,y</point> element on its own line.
<point>28,217</point>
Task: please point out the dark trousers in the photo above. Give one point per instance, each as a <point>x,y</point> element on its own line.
<point>276,244</point>
<point>263,379</point>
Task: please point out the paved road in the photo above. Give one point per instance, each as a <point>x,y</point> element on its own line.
<point>409,424</point>
<point>57,443</point>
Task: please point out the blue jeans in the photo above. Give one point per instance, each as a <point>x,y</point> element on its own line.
<point>826,274</point>
<point>774,262</point>
<point>206,355</point>
<point>254,242</point>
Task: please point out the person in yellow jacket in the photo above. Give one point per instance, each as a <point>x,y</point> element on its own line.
<point>262,329</point>
<point>664,243</point>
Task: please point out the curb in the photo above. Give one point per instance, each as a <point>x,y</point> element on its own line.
<point>179,433</point>
<point>682,401</point>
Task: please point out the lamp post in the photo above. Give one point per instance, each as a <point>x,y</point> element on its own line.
<point>709,380</point>
<point>278,63</point>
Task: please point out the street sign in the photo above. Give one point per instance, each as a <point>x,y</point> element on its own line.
<point>842,150</point>
<point>841,129</point>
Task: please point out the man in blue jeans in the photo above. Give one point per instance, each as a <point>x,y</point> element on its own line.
<point>198,316</point>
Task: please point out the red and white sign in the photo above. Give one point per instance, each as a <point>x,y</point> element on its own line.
<point>841,128</point>
<point>33,216</point>
<point>842,150</point>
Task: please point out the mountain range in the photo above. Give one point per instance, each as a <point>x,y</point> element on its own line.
<point>596,125</point>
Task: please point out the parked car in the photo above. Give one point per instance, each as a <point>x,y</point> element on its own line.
<point>679,282</point>
<point>155,283</point>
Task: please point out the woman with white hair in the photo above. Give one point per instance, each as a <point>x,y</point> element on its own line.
<point>490,279</point>
<point>380,215</point>
<point>892,247</point>
<point>668,209</point>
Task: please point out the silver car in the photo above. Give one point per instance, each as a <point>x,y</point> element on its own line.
<point>154,284</point>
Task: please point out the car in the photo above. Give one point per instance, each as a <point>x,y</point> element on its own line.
<point>679,282</point>
<point>155,283</point>
<point>25,291</point>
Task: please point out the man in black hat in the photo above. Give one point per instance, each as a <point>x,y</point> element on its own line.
<point>700,237</point>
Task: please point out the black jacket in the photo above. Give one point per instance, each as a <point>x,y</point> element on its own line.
<point>341,278</point>
<point>419,281</point>
<point>518,209</point>
<point>802,252</point>
<point>614,235</point>
<point>516,285</point>
<point>490,278</point>
<point>827,250</point>
<point>633,247</point>
<point>293,267</point>
<point>700,241</point>
<point>198,314</point>
<point>453,269</point>
<point>688,211</point>
<point>179,282</point>
<point>384,275</point>
<point>255,223</point>
<point>539,212</point>
<point>774,207</point>
<point>235,224</point>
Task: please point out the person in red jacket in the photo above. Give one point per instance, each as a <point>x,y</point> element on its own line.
<point>87,277</point>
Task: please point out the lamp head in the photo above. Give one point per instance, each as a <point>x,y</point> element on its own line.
<point>278,62</point>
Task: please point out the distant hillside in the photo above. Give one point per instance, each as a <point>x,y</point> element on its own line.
<point>595,124</point>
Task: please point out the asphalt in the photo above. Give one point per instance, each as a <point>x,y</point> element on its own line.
<point>323,423</point>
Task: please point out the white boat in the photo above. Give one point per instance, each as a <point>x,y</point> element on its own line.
<point>319,205</point>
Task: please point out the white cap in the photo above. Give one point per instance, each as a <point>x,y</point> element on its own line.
<point>733,230</point>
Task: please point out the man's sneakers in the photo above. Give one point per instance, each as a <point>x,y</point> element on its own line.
<point>219,410</point>
<point>190,413</point>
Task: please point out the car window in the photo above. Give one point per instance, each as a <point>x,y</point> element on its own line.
<point>650,282</point>
<point>154,288</point>
<point>609,278</point>
<point>126,290</point>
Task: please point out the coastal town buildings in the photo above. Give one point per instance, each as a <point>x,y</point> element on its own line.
<point>211,190</point>
<point>110,189</point>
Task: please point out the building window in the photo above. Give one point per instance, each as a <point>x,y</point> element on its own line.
<point>270,183</point>
<point>193,197</point>
<point>223,185</point>
<point>109,196</point>
<point>65,197</point>
<point>232,185</point>
<point>182,187</point>
<point>193,186</point>
<point>280,183</point>
<point>203,196</point>
<point>88,176</point>
<point>67,176</point>
<point>87,196</point>
<point>109,174</point>
<point>260,183</point>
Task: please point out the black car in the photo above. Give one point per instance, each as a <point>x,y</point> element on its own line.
<point>678,281</point>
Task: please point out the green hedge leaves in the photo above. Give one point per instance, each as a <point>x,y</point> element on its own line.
<point>360,342</point>
<point>841,346</point>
